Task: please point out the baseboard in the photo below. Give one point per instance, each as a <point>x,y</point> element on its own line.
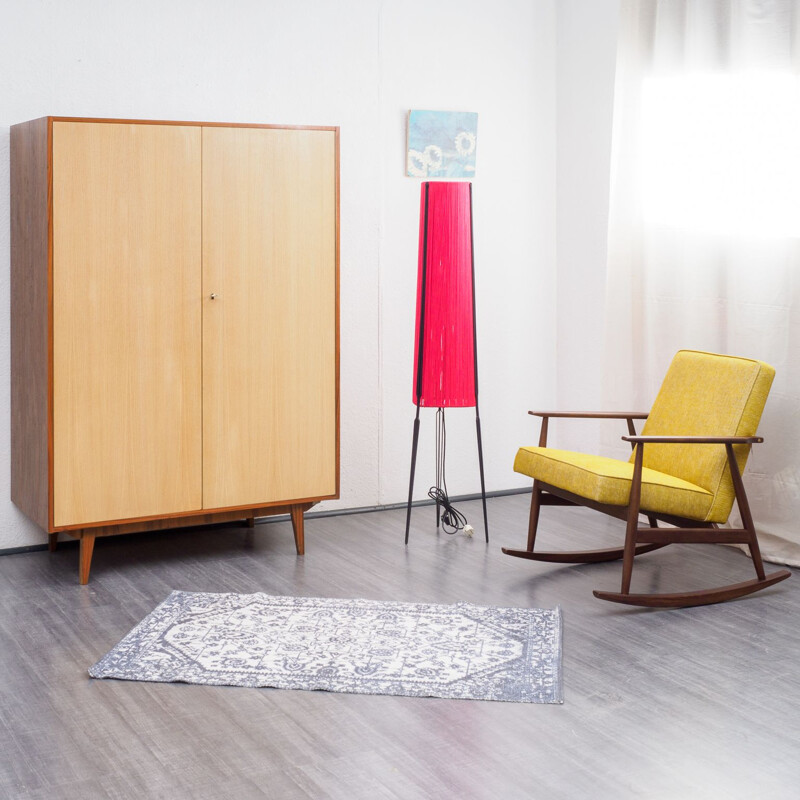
<point>336,512</point>
<point>394,506</point>
<point>31,548</point>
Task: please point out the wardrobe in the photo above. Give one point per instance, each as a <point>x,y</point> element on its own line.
<point>174,324</point>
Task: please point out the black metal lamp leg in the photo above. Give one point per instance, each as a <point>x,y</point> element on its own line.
<point>440,451</point>
<point>480,466</point>
<point>414,442</point>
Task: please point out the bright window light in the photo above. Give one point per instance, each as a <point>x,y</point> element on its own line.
<point>721,153</point>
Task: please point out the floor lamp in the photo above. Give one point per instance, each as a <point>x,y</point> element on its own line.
<point>446,353</point>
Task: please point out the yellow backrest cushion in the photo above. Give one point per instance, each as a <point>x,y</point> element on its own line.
<point>705,394</point>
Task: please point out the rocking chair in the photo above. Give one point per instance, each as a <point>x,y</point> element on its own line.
<point>685,470</point>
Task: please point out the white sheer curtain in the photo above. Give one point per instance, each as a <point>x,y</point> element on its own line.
<point>704,225</point>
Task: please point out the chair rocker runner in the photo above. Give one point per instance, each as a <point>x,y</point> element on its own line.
<point>685,470</point>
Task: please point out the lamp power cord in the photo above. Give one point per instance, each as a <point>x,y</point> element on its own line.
<point>452,520</point>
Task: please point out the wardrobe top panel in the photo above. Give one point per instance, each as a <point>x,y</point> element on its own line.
<point>334,128</point>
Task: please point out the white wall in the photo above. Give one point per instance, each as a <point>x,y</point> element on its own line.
<point>586,58</point>
<point>359,64</point>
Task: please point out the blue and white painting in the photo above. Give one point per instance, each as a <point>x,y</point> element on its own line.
<point>442,144</point>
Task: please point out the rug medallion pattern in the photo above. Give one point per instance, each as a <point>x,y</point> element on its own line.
<point>361,646</point>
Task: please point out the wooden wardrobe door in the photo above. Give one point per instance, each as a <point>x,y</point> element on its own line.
<point>126,321</point>
<point>269,315</point>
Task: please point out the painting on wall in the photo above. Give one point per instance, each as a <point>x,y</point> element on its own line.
<point>441,144</point>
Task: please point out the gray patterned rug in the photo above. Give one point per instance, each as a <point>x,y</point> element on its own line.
<point>363,646</point>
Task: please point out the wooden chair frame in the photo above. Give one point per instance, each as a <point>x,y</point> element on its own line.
<point>640,540</point>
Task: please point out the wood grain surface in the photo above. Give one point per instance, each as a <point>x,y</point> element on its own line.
<point>127,321</point>
<point>269,331</point>
<point>693,704</point>
<point>30,334</point>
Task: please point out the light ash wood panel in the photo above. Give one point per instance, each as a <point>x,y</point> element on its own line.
<point>269,338</point>
<point>29,320</point>
<point>127,321</point>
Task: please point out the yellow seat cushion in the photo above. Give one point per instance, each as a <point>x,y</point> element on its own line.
<point>607,480</point>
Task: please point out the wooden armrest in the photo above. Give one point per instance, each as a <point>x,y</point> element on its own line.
<point>694,439</point>
<point>592,414</point>
<point>628,416</point>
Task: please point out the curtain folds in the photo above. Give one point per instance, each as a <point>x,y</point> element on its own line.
<point>704,222</point>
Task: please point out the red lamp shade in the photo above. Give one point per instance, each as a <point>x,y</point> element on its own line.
<point>444,363</point>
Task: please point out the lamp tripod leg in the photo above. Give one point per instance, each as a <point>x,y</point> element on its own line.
<point>480,467</point>
<point>414,442</point>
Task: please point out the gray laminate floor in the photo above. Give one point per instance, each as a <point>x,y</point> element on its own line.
<point>696,703</point>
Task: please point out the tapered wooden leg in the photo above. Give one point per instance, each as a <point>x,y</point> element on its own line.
<point>87,547</point>
<point>633,521</point>
<point>250,522</point>
<point>744,511</point>
<point>297,525</point>
<point>533,519</point>
<point>52,542</point>
<point>755,554</point>
<point>628,553</point>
